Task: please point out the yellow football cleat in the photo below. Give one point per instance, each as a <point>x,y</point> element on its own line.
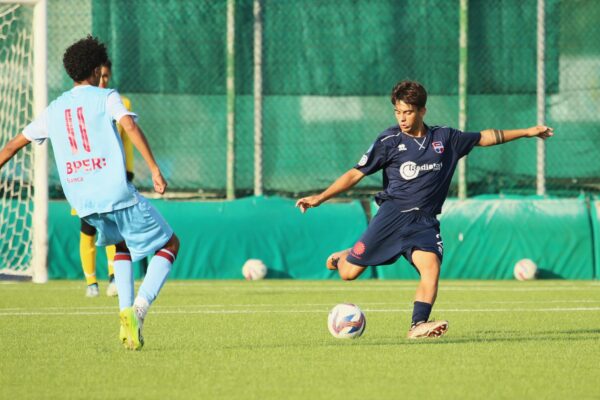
<point>131,330</point>
<point>122,335</point>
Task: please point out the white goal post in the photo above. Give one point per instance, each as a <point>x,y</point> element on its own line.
<point>24,180</point>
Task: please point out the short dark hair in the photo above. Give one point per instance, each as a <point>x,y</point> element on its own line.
<point>82,57</point>
<point>410,92</point>
<point>107,64</point>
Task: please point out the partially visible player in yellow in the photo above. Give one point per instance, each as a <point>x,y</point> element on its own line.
<point>87,238</point>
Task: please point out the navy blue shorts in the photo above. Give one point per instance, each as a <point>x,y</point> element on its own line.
<point>393,233</point>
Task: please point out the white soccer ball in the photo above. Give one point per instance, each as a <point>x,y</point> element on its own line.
<point>346,321</point>
<point>254,270</point>
<point>525,270</point>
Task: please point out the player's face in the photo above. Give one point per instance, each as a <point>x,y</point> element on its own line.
<point>104,77</point>
<point>409,117</point>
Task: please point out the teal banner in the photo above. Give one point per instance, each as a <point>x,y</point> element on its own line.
<point>218,237</point>
<point>485,237</point>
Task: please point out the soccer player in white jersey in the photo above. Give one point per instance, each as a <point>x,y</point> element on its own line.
<point>90,161</point>
<point>417,162</point>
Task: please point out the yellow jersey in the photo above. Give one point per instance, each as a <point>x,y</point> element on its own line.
<point>127,145</point>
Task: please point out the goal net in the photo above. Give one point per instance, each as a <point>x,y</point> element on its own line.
<point>16,110</point>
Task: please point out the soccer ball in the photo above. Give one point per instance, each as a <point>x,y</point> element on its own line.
<point>254,270</point>
<point>346,321</point>
<point>525,270</point>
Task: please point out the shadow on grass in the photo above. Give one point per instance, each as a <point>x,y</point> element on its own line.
<point>14,278</point>
<point>547,274</point>
<point>487,337</point>
<point>513,336</point>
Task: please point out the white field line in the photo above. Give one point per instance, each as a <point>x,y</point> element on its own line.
<point>362,304</point>
<point>316,311</point>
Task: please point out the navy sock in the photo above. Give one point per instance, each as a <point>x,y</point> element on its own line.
<point>421,312</point>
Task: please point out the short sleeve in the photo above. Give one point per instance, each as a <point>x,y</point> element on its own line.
<point>37,130</point>
<point>374,159</point>
<point>463,142</point>
<point>115,107</point>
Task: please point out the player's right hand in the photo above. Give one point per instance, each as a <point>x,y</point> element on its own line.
<point>541,131</point>
<point>160,184</point>
<point>308,202</point>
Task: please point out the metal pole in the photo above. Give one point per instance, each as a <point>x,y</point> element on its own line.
<point>462,91</point>
<point>258,134</point>
<point>541,97</point>
<point>230,99</point>
<point>40,154</point>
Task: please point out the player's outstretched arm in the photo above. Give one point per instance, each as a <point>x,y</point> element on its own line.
<point>343,183</point>
<point>491,137</point>
<point>141,144</point>
<point>12,147</point>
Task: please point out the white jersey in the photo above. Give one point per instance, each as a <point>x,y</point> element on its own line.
<point>87,148</point>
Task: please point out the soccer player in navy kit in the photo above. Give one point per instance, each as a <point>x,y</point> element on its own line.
<point>418,162</point>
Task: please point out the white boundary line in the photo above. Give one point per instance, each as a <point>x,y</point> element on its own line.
<point>363,304</point>
<point>321,311</point>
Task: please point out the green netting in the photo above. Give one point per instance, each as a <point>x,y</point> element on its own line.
<point>16,110</point>
<point>327,71</point>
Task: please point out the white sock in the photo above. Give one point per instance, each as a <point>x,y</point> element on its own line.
<point>141,306</point>
<point>124,279</point>
<point>157,273</point>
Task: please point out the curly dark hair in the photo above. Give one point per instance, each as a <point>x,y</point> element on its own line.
<point>410,92</point>
<point>82,57</point>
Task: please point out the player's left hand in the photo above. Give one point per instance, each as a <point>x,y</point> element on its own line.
<point>160,184</point>
<point>541,131</point>
<point>308,202</point>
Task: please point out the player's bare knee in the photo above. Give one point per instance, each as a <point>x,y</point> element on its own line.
<point>121,247</point>
<point>87,229</point>
<point>173,244</point>
<point>429,282</point>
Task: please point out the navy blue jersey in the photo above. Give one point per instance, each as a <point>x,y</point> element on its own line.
<point>417,171</point>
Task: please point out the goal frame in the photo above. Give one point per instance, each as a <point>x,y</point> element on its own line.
<point>39,256</point>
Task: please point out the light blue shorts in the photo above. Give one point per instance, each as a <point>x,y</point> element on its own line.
<point>141,226</point>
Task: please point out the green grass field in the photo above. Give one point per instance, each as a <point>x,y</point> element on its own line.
<point>269,340</point>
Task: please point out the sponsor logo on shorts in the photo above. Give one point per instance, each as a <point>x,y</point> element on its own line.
<point>410,170</point>
<point>358,249</point>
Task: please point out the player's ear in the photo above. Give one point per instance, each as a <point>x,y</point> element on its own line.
<point>423,111</point>
<point>97,74</point>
